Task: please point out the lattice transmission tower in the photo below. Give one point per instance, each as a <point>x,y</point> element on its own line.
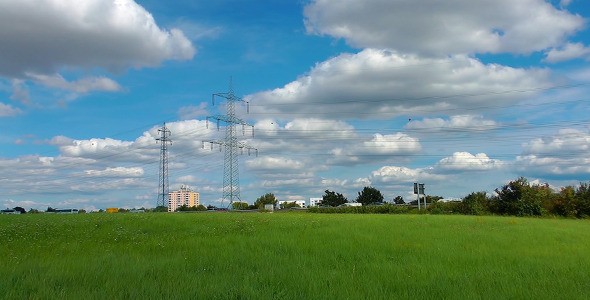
<point>163,189</point>
<point>231,178</point>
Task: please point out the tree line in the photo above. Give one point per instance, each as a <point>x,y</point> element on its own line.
<point>516,198</point>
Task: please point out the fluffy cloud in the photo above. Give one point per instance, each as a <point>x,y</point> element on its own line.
<point>465,161</point>
<point>115,172</point>
<point>565,142</point>
<point>83,85</point>
<point>274,163</point>
<point>434,27</point>
<point>567,52</point>
<point>306,134</point>
<point>7,110</point>
<point>357,86</point>
<point>564,154</point>
<point>395,174</point>
<point>454,123</point>
<point>379,147</point>
<point>20,92</point>
<point>40,37</point>
<point>187,137</point>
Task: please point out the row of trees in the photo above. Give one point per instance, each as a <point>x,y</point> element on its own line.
<point>519,198</point>
<point>516,198</point>
<point>368,195</point>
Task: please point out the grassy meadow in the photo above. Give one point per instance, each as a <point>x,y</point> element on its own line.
<point>292,256</point>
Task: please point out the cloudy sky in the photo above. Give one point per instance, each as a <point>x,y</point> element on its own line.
<point>460,95</point>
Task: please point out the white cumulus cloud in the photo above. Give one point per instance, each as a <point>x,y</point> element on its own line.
<point>454,123</point>
<point>6,110</point>
<point>396,174</point>
<point>565,153</point>
<point>432,27</point>
<point>380,84</point>
<point>82,85</point>
<point>465,161</point>
<point>567,52</point>
<point>41,37</point>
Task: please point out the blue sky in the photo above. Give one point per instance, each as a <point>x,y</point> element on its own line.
<point>343,94</point>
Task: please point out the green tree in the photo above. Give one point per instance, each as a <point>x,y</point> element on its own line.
<point>369,195</point>
<point>399,200</point>
<point>268,198</point>
<point>239,205</point>
<point>474,204</point>
<point>583,196</point>
<point>286,205</point>
<point>331,198</point>
<point>519,198</point>
<point>432,199</point>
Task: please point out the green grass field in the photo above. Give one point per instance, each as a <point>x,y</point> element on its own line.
<point>292,256</point>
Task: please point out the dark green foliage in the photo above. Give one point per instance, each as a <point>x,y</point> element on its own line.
<point>367,209</point>
<point>572,202</point>
<point>399,200</point>
<point>287,205</point>
<point>331,198</point>
<point>432,199</point>
<point>239,205</point>
<point>268,198</point>
<point>192,208</point>
<point>474,204</point>
<point>160,209</point>
<point>518,198</point>
<point>583,197</point>
<point>369,195</point>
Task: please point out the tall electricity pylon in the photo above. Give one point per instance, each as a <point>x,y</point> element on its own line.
<point>231,178</point>
<point>163,187</point>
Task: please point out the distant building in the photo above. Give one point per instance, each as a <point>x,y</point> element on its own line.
<point>184,196</point>
<point>315,201</point>
<point>9,211</point>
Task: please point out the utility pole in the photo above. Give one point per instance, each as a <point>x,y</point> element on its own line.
<point>163,188</point>
<point>231,179</point>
